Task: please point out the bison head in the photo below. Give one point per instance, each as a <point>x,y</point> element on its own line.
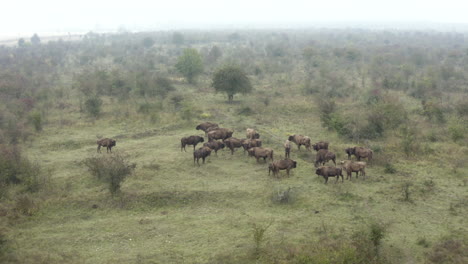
<point>198,127</point>
<point>256,136</point>
<point>318,171</point>
<point>291,138</point>
<point>112,143</point>
<point>294,164</point>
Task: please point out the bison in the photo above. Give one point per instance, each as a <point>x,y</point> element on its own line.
<point>192,140</point>
<point>250,143</point>
<point>252,134</point>
<point>320,145</point>
<point>233,143</point>
<point>214,145</point>
<point>324,156</point>
<point>300,140</point>
<point>106,142</point>
<point>359,152</point>
<point>287,148</point>
<point>354,166</point>
<point>329,171</point>
<point>201,153</point>
<point>259,152</point>
<point>220,133</point>
<point>206,126</point>
<point>285,164</point>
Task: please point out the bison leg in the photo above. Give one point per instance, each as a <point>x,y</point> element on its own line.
<point>287,172</point>
<point>99,148</point>
<point>203,160</point>
<point>326,179</point>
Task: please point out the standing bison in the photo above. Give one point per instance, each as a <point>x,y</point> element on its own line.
<point>328,171</point>
<point>192,140</point>
<point>287,149</point>
<point>354,166</point>
<point>233,143</point>
<point>250,143</point>
<point>320,145</point>
<point>106,142</point>
<point>201,153</point>
<point>300,140</point>
<point>259,152</point>
<point>252,134</point>
<point>220,133</point>
<point>205,126</point>
<point>214,145</point>
<point>324,156</point>
<point>359,152</point>
<point>285,164</point>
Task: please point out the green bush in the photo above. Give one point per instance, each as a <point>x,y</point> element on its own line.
<point>110,169</point>
<point>36,120</point>
<point>16,169</point>
<point>93,106</point>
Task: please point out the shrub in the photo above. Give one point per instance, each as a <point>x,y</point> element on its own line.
<point>16,169</point>
<point>457,129</point>
<point>93,106</point>
<point>111,169</point>
<point>36,119</point>
<point>389,168</point>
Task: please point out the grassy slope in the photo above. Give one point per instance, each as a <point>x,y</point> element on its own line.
<point>174,212</point>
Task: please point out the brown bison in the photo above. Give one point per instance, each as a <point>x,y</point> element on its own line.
<point>233,143</point>
<point>252,134</point>
<point>354,166</point>
<point>214,145</point>
<point>287,149</point>
<point>250,143</point>
<point>220,133</point>
<point>192,140</point>
<point>324,156</point>
<point>359,152</point>
<point>300,140</point>
<point>285,164</point>
<point>205,126</point>
<point>329,171</point>
<point>320,145</point>
<point>259,152</point>
<point>201,153</point>
<point>106,142</point>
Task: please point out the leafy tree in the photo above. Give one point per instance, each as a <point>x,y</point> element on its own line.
<point>190,65</point>
<point>177,38</point>
<point>93,106</point>
<point>21,42</point>
<point>214,54</point>
<point>148,42</point>
<point>35,40</point>
<point>231,80</point>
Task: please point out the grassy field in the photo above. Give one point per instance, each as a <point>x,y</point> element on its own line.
<point>171,211</point>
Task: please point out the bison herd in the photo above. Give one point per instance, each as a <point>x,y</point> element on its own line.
<point>219,138</point>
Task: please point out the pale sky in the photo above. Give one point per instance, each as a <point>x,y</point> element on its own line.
<point>26,16</point>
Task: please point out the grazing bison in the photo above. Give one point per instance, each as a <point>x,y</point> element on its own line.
<point>192,140</point>
<point>233,143</point>
<point>324,156</point>
<point>285,164</point>
<point>105,142</point>
<point>220,133</point>
<point>250,143</point>
<point>300,140</point>
<point>214,145</point>
<point>354,166</point>
<point>259,152</point>
<point>287,148</point>
<point>320,145</point>
<point>205,126</point>
<point>328,171</point>
<point>359,152</point>
<point>252,134</point>
<point>201,153</point>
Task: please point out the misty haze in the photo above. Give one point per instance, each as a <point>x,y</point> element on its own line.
<point>234,132</point>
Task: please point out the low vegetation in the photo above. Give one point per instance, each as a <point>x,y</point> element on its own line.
<point>398,95</point>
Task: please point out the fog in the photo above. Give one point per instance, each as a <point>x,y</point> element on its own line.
<point>53,16</point>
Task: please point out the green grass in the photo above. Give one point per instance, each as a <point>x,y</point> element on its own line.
<point>172,211</point>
